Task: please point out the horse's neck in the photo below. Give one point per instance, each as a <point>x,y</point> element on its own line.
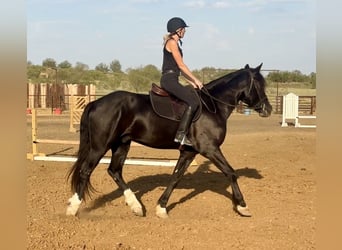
<point>228,90</point>
<point>225,91</point>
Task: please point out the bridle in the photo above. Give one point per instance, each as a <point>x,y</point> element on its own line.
<point>260,105</point>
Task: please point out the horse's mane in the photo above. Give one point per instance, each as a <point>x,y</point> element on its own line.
<point>225,78</point>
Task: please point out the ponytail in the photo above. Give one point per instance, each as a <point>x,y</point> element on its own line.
<point>166,37</point>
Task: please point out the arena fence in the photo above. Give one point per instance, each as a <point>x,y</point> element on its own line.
<point>37,155</point>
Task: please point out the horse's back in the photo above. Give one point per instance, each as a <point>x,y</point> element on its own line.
<point>121,95</point>
<point>121,100</point>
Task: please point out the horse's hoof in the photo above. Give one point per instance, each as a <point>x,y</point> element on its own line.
<point>244,211</point>
<point>161,212</point>
<point>71,211</point>
<point>73,205</point>
<point>138,211</point>
<point>133,203</point>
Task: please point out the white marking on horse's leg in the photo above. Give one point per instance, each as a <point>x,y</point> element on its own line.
<point>73,204</point>
<point>244,211</point>
<point>133,203</point>
<point>161,212</point>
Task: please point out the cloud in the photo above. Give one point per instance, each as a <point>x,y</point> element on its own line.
<point>213,37</point>
<point>202,4</point>
<point>263,3</point>
<point>195,4</point>
<point>222,4</point>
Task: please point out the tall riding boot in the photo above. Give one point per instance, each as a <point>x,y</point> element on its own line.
<point>184,127</point>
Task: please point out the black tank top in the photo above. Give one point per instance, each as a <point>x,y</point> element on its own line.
<point>169,62</point>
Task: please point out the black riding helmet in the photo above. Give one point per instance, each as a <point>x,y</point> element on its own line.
<point>175,23</point>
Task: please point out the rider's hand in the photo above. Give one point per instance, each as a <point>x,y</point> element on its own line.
<point>198,83</point>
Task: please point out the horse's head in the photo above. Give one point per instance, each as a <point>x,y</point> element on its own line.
<point>254,93</point>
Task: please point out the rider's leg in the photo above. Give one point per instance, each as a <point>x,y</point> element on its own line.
<point>184,127</point>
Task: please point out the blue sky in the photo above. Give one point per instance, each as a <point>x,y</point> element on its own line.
<point>223,34</point>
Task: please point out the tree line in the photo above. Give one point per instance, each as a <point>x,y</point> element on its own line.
<point>111,76</point>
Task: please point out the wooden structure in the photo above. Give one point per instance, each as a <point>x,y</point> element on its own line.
<point>291,107</point>
<point>77,104</point>
<point>36,155</point>
<point>47,95</point>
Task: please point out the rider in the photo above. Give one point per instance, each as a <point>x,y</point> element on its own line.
<point>172,66</point>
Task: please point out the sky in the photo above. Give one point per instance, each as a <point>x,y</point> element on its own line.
<point>225,34</point>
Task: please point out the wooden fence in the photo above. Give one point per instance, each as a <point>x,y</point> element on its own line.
<point>307,105</point>
<point>62,96</point>
<point>56,95</point>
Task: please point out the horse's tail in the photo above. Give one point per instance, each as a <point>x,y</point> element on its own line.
<point>83,152</point>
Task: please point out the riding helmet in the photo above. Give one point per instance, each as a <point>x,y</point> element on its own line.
<point>175,23</point>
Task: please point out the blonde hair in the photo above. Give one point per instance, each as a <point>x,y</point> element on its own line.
<point>166,37</point>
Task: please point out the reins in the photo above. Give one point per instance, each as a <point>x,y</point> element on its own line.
<point>205,91</point>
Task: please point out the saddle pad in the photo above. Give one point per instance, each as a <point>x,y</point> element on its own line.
<point>170,107</point>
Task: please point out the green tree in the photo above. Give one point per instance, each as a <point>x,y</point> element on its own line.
<point>102,67</point>
<point>94,77</point>
<point>74,75</point>
<point>117,80</point>
<point>277,77</point>
<point>81,66</point>
<point>65,65</point>
<point>313,80</point>
<point>33,73</point>
<point>49,63</point>
<point>65,75</point>
<point>115,66</point>
<point>151,72</point>
<point>137,80</point>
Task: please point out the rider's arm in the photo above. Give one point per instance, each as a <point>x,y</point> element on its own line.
<point>172,46</point>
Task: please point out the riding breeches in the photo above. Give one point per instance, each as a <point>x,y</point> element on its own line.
<point>170,83</point>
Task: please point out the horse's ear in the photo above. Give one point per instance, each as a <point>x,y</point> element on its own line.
<point>258,68</point>
<point>247,66</point>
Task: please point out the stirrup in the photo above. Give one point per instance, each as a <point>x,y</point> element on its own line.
<point>183,141</point>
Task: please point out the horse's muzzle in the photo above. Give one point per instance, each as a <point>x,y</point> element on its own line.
<point>264,110</point>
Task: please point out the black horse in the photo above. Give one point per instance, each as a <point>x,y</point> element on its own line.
<point>115,120</point>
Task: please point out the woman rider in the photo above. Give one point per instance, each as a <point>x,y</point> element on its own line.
<point>172,66</point>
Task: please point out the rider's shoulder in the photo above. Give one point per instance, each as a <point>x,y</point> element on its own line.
<point>171,41</point>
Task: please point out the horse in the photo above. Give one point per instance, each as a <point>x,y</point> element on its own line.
<point>113,121</point>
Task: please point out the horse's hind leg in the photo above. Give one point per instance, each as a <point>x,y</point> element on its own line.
<point>185,159</point>
<point>80,180</point>
<point>119,155</point>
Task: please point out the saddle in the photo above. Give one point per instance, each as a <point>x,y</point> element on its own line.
<point>168,106</point>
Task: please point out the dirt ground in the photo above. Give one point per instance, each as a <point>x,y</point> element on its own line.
<point>276,168</point>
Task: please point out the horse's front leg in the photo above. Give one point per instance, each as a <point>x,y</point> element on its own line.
<point>185,159</point>
<point>221,163</point>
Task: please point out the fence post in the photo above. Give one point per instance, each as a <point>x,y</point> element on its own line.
<point>34,153</point>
